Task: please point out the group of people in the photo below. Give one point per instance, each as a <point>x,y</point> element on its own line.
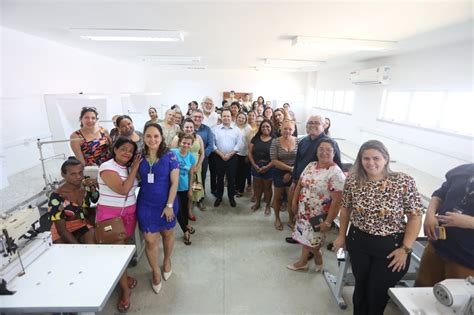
<point>171,163</point>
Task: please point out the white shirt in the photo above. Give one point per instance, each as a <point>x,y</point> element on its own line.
<point>110,198</point>
<point>210,120</point>
<point>227,139</point>
<point>245,132</point>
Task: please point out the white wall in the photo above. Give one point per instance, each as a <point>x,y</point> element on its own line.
<point>31,67</point>
<point>442,68</point>
<point>181,87</point>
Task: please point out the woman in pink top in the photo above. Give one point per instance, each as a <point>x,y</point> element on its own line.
<point>117,186</point>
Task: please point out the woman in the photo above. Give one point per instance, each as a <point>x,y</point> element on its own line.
<point>70,205</point>
<point>262,166</point>
<point>254,105</point>
<point>260,110</point>
<point>127,130</point>
<point>379,241</point>
<point>268,113</point>
<point>283,154</point>
<point>452,207</point>
<point>153,116</point>
<point>318,199</point>
<point>279,116</point>
<point>261,101</point>
<point>178,117</point>
<point>170,128</point>
<point>157,205</point>
<point>198,151</point>
<point>117,198</point>
<point>192,106</point>
<point>91,143</point>
<point>327,126</point>
<point>243,165</point>
<point>286,107</point>
<point>187,163</point>
<point>234,110</point>
<point>114,132</point>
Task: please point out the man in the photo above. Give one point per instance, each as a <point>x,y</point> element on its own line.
<point>232,98</point>
<point>208,109</point>
<point>307,153</point>
<point>208,138</point>
<point>227,143</point>
<point>247,102</point>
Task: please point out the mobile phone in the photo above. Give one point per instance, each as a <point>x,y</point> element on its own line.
<point>317,220</point>
<point>440,232</point>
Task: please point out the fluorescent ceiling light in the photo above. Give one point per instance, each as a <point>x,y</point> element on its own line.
<point>292,64</point>
<point>171,60</point>
<point>342,43</point>
<point>129,35</point>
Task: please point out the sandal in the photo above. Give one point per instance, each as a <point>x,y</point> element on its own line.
<point>123,305</point>
<point>191,230</point>
<point>279,226</point>
<point>187,240</point>
<point>192,217</point>
<point>131,282</point>
<point>201,206</point>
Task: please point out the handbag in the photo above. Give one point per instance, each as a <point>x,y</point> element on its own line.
<point>196,186</point>
<point>111,231</point>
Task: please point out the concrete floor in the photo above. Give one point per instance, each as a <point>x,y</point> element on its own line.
<point>236,265</point>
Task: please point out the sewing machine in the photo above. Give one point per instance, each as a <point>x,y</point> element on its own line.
<point>450,296</point>
<point>20,243</point>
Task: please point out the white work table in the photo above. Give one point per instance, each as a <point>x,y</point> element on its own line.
<point>68,278</point>
<point>416,301</point>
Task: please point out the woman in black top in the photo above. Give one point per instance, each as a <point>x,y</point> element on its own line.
<point>262,167</point>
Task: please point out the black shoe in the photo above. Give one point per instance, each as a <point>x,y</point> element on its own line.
<point>217,202</point>
<point>290,240</point>
<point>232,203</point>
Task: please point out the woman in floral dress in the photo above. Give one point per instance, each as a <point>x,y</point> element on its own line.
<point>319,192</point>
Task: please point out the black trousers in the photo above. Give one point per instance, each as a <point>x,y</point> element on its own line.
<point>205,165</point>
<point>227,169</point>
<point>243,172</point>
<point>368,254</point>
<point>213,170</point>
<point>183,213</point>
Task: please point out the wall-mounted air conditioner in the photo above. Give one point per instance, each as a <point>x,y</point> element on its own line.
<point>379,75</point>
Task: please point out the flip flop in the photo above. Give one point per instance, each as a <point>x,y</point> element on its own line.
<point>124,305</point>
<point>279,226</point>
<point>191,230</point>
<point>131,282</point>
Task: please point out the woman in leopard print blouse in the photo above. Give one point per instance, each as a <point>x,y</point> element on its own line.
<point>377,201</point>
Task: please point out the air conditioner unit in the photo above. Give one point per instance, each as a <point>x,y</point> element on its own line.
<point>379,75</point>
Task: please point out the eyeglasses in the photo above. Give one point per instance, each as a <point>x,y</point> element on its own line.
<point>89,108</point>
<point>197,117</point>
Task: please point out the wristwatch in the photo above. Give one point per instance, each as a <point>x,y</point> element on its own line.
<point>407,250</point>
<point>169,205</point>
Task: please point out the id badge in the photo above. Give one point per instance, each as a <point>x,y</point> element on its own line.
<point>151,178</point>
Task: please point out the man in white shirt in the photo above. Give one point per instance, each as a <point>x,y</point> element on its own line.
<point>209,111</point>
<point>227,143</point>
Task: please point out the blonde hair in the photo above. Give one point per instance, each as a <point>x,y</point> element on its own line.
<point>357,171</point>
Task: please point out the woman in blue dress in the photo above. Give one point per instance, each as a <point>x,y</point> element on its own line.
<point>157,205</point>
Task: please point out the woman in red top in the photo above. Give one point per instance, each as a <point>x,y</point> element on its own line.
<point>93,148</point>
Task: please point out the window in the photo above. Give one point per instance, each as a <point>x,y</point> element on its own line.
<point>338,101</point>
<point>449,111</point>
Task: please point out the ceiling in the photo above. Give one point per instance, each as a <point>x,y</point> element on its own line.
<point>241,34</point>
